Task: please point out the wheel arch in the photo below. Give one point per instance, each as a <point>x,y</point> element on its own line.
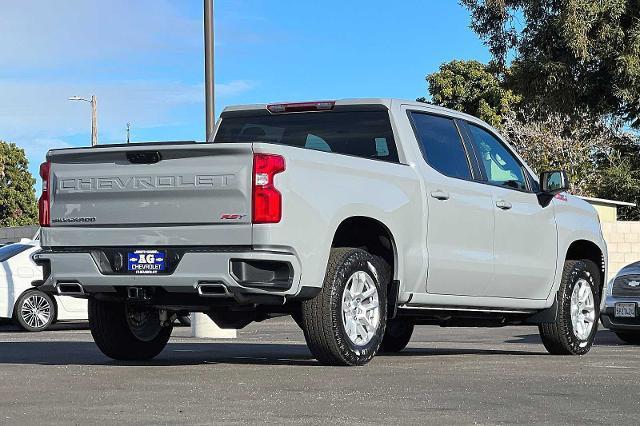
<point>585,249</point>
<point>371,235</point>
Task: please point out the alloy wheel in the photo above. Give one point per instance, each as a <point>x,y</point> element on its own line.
<point>360,308</point>
<point>36,311</point>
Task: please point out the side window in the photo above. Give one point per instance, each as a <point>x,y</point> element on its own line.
<point>317,143</point>
<point>442,145</point>
<point>499,165</point>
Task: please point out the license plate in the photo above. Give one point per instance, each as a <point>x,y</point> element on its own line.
<point>626,310</point>
<point>146,261</point>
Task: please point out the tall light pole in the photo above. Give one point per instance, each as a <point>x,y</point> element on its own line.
<point>94,116</point>
<point>201,324</point>
<point>209,83</point>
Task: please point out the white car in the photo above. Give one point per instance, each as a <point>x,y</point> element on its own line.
<point>30,308</point>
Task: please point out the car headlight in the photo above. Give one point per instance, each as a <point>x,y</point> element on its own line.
<point>609,289</point>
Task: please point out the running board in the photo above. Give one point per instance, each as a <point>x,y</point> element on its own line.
<point>466,309</point>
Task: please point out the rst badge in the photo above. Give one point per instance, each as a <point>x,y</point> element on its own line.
<point>146,261</point>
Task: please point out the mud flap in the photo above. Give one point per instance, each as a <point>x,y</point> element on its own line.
<point>546,315</point>
<point>392,299</point>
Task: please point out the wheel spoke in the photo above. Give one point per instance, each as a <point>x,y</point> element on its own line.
<point>369,292</point>
<point>371,305</point>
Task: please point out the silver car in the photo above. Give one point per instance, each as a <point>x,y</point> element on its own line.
<point>620,312</point>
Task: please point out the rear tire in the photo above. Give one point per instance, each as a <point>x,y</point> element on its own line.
<point>397,335</point>
<point>579,294</point>
<point>34,311</point>
<point>126,333</point>
<point>629,337</point>
<point>344,324</point>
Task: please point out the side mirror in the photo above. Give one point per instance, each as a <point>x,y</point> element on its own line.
<point>554,182</point>
<point>551,184</point>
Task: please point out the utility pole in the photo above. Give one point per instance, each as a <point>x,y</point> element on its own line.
<point>94,121</point>
<point>201,324</point>
<point>94,116</point>
<point>209,80</point>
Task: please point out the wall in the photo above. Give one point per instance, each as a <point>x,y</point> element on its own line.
<point>15,234</point>
<point>623,242</point>
<point>607,212</point>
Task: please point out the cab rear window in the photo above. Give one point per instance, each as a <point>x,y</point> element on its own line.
<point>364,134</point>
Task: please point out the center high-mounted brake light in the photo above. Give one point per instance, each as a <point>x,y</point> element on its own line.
<point>301,107</point>
<point>44,216</point>
<point>267,200</point>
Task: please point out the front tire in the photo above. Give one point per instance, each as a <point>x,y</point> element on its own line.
<point>344,324</point>
<point>127,333</point>
<point>578,299</point>
<point>630,337</point>
<point>34,311</point>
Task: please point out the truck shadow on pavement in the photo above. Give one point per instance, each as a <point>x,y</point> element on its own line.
<point>181,354</point>
<point>603,338</point>
<point>43,352</point>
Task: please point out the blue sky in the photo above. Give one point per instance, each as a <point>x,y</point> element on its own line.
<point>143,59</point>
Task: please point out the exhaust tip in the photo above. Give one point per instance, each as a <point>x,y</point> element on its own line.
<point>213,290</point>
<point>69,288</point>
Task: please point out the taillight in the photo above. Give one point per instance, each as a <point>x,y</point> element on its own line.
<point>43,203</point>
<point>267,200</point>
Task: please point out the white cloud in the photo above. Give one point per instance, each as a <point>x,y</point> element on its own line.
<point>45,33</point>
<point>234,88</point>
<point>142,59</point>
<point>42,109</point>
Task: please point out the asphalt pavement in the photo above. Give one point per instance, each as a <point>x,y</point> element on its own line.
<point>267,375</point>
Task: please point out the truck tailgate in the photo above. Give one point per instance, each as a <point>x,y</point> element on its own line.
<point>158,186</point>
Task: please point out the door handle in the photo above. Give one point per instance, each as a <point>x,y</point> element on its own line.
<point>504,205</point>
<point>440,195</point>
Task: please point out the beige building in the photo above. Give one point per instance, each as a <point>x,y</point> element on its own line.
<point>623,238</point>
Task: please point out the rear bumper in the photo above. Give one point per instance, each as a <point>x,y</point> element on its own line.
<point>244,275</point>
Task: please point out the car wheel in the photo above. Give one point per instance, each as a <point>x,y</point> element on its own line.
<point>344,324</point>
<point>34,311</point>
<point>578,312</point>
<point>630,337</point>
<point>397,335</point>
<point>125,332</point>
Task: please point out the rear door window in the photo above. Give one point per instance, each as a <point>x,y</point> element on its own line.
<point>366,134</point>
<point>442,145</point>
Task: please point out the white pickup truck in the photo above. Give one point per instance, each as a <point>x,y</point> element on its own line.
<point>359,218</point>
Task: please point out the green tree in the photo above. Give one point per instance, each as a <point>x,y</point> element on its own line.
<point>621,180</point>
<point>570,56</point>
<point>556,142</point>
<point>473,88</point>
<point>17,195</point>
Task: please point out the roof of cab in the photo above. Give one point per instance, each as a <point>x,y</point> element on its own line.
<point>388,102</point>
